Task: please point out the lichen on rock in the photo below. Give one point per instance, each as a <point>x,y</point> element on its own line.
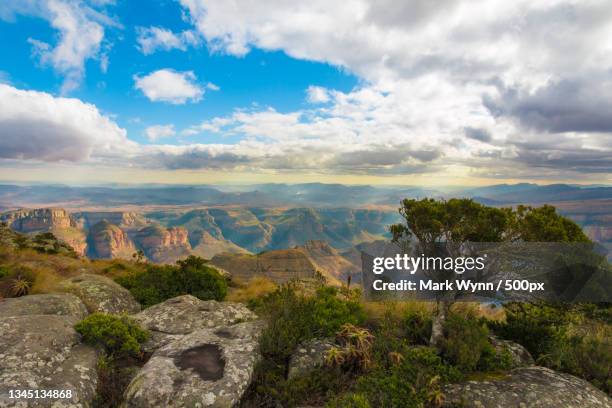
<point>43,352</point>
<point>182,315</point>
<point>101,294</point>
<point>533,387</point>
<point>59,304</point>
<point>209,367</point>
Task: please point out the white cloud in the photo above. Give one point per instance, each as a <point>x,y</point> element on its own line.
<point>156,132</point>
<point>81,33</point>
<point>166,85</point>
<point>428,73</point>
<point>152,39</point>
<point>39,126</point>
<point>212,87</point>
<point>317,94</point>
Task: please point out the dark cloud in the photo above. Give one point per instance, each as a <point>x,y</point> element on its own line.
<point>571,105</point>
<point>195,158</point>
<point>385,156</point>
<point>482,135</point>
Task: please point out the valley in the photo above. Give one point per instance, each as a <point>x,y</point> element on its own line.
<point>300,229</point>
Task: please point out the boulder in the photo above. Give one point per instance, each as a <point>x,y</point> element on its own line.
<point>308,356</point>
<point>533,387</point>
<point>519,355</point>
<point>207,368</point>
<point>182,315</point>
<point>101,294</point>
<point>59,304</point>
<point>43,352</point>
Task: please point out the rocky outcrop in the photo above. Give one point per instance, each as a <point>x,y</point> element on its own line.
<point>41,219</point>
<point>279,265</point>
<point>204,354</point>
<point>164,245</point>
<point>185,314</point>
<point>43,352</point>
<point>533,387</point>
<point>206,368</point>
<point>107,241</point>
<point>101,294</point>
<point>58,304</point>
<point>519,355</point>
<point>207,246</point>
<point>55,220</point>
<point>125,220</point>
<point>308,356</point>
<point>329,261</point>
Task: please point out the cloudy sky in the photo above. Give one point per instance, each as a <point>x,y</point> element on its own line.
<point>359,91</point>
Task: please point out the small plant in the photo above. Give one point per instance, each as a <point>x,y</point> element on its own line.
<point>350,400</point>
<point>20,286</point>
<point>355,348</point>
<point>119,335</point>
<point>465,340</point>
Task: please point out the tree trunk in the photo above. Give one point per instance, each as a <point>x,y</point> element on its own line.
<point>437,326</point>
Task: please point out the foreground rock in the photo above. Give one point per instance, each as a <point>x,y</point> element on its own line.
<point>43,352</point>
<point>206,368</point>
<point>308,356</point>
<point>101,294</point>
<point>179,316</point>
<point>519,355</point>
<point>533,387</point>
<point>59,304</point>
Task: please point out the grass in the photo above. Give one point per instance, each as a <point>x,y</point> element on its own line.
<point>244,292</point>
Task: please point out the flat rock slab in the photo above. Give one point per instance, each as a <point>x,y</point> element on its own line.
<point>206,368</point>
<point>43,352</point>
<point>308,356</point>
<point>529,387</point>
<point>176,317</point>
<point>59,304</point>
<point>101,294</point>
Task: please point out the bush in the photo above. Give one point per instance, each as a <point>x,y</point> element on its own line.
<point>119,335</point>
<point>574,339</point>
<point>535,326</point>
<point>189,277</point>
<point>295,317</point>
<point>350,400</point>
<point>417,327</point>
<point>584,351</point>
<point>414,382</point>
<point>465,341</point>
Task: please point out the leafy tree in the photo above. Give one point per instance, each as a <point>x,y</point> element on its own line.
<point>444,227</point>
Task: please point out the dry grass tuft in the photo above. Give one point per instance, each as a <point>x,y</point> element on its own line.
<point>254,288</point>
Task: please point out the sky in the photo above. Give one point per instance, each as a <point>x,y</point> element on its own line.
<point>452,92</point>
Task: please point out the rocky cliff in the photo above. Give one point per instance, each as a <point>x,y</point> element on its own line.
<point>55,220</point>
<point>328,260</point>
<point>163,244</point>
<point>106,240</point>
<point>279,265</point>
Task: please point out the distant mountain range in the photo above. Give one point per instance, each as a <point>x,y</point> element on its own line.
<point>283,195</point>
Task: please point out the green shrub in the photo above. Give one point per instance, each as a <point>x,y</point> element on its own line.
<point>190,276</point>
<point>294,317</point>
<point>535,326</point>
<point>119,335</point>
<point>417,327</point>
<point>465,341</point>
<point>414,382</point>
<point>350,400</point>
<point>584,351</point>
